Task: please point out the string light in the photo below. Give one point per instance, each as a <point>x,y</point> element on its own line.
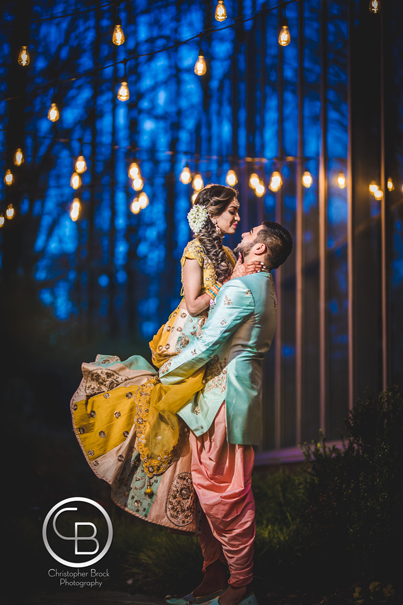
<point>2,219</point>
<point>185,176</point>
<point>307,179</point>
<point>118,36</point>
<point>373,187</point>
<point>197,182</point>
<point>220,11</point>
<point>81,165</point>
<point>390,185</point>
<point>124,92</point>
<point>200,66</point>
<point>231,178</point>
<point>194,196</point>
<point>341,180</point>
<point>137,183</point>
<point>378,194</point>
<point>134,170</point>
<point>75,180</point>
<point>23,57</point>
<point>253,180</point>
<point>53,113</point>
<point>9,177</point>
<point>284,37</point>
<point>135,206</point>
<point>143,200</point>
<point>10,212</point>
<point>276,181</point>
<point>260,189</point>
<point>18,157</point>
<point>374,6</point>
<point>75,209</point>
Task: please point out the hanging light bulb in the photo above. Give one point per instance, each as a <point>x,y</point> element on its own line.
<point>118,36</point>
<point>75,209</point>
<point>284,37</point>
<point>2,219</point>
<point>10,212</point>
<point>134,170</point>
<point>137,183</point>
<point>378,195</point>
<point>253,180</point>
<point>53,113</point>
<point>194,196</point>
<point>135,206</point>
<point>341,180</point>
<point>18,157</point>
<point>143,200</point>
<point>307,179</point>
<point>200,66</point>
<point>231,178</point>
<point>23,57</point>
<point>75,180</point>
<point>220,11</point>
<point>390,185</point>
<point>123,92</point>
<point>197,182</point>
<point>260,189</point>
<point>374,6</point>
<point>276,181</point>
<point>185,176</point>
<point>9,177</point>
<point>373,187</point>
<point>81,165</point>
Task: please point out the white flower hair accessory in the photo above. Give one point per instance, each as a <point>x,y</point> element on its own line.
<point>197,216</point>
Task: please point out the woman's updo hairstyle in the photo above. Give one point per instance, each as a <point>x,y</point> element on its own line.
<point>215,198</point>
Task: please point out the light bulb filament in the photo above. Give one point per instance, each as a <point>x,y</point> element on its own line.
<point>23,57</point>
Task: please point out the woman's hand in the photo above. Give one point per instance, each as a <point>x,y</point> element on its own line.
<point>241,269</point>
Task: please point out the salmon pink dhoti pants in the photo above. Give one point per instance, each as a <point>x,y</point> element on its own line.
<point>222,478</point>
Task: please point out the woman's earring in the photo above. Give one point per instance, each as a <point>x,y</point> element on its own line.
<point>217,228</point>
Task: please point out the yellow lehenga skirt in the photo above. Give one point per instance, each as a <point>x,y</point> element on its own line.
<point>127,425</point>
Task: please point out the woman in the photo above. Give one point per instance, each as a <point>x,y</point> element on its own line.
<point>125,420</point>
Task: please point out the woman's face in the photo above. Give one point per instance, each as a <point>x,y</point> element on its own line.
<point>229,219</point>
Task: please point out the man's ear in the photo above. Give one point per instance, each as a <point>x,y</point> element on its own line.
<point>260,248</point>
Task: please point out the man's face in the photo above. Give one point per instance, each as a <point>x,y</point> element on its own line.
<point>248,241</point>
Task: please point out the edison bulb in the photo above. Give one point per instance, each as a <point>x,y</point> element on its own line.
<point>18,157</point>
<point>374,6</point>
<point>260,189</point>
<point>53,113</point>
<point>341,180</point>
<point>373,187</point>
<point>276,181</point>
<point>118,36</point>
<point>197,182</point>
<point>9,177</point>
<point>143,200</point>
<point>284,37</point>
<point>123,92</point>
<point>2,219</point>
<point>200,67</point>
<point>194,196</point>
<point>378,195</point>
<point>75,180</point>
<point>10,211</point>
<point>23,58</point>
<point>81,165</point>
<point>390,185</point>
<point>137,183</point>
<point>231,178</point>
<point>135,206</point>
<point>134,170</point>
<point>220,11</point>
<point>75,209</point>
<point>307,179</point>
<point>254,180</point>
<point>185,176</point>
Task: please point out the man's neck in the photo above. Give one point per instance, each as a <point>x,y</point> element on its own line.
<point>250,258</point>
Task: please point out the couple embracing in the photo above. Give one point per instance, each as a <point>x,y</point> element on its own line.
<point>177,446</point>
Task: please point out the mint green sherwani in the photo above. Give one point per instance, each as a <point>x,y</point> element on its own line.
<point>233,342</point>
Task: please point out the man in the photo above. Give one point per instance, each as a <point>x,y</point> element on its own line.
<point>225,418</point>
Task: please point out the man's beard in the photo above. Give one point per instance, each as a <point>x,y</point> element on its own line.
<point>243,248</point>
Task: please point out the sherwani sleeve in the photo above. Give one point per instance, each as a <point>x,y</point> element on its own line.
<point>234,304</point>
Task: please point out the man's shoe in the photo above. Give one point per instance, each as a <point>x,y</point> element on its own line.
<point>189,598</point>
<point>249,600</point>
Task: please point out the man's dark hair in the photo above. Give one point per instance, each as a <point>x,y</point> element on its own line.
<point>278,241</point>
